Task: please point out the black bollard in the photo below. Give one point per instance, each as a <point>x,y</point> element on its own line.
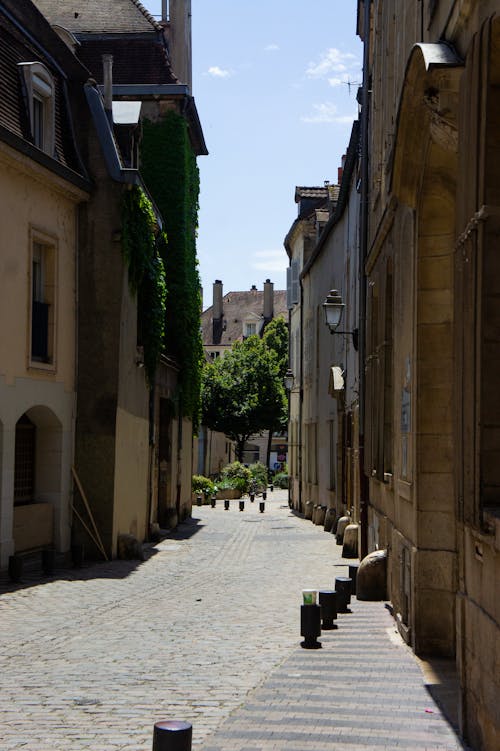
<point>173,735</point>
<point>15,568</point>
<point>353,573</point>
<point>264,495</point>
<point>199,500</point>
<point>262,506</point>
<point>271,488</point>
<point>213,501</point>
<point>252,497</point>
<point>226,505</point>
<point>328,603</point>
<point>242,505</point>
<point>343,589</point>
<point>310,626</point>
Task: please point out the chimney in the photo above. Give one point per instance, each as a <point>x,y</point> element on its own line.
<point>268,300</point>
<point>217,300</point>
<point>107,76</point>
<point>179,34</point>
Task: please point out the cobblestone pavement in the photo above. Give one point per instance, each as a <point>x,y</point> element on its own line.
<point>207,629</point>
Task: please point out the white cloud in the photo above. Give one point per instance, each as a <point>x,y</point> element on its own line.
<point>270,260</point>
<point>271,48</point>
<point>327,112</point>
<point>339,80</point>
<point>331,61</point>
<point>217,72</point>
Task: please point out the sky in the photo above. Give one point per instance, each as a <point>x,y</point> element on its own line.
<point>275,85</point>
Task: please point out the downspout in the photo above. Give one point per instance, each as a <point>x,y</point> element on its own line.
<point>301,392</point>
<point>363,242</point>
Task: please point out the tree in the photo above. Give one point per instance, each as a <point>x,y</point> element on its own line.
<point>243,393</point>
<point>275,338</point>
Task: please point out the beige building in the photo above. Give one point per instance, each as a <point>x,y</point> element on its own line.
<point>432,365</point>
<point>42,184</point>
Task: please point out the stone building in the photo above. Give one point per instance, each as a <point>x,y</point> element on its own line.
<point>323,249</point>
<point>43,183</point>
<point>232,317</point>
<point>432,366</point>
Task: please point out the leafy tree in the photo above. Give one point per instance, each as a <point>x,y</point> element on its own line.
<point>242,393</point>
<point>275,338</point>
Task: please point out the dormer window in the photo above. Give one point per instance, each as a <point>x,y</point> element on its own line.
<point>250,328</point>
<point>40,95</point>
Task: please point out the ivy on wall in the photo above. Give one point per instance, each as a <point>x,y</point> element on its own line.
<point>169,169</point>
<point>143,251</point>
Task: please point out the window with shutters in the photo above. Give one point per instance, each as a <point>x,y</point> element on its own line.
<point>39,88</point>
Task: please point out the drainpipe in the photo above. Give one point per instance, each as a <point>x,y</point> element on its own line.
<point>301,391</point>
<point>363,242</point>
<point>107,73</point>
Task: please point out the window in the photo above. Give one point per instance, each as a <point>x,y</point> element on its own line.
<point>42,298</point>
<point>250,328</point>
<point>40,97</point>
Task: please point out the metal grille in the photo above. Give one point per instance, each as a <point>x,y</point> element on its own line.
<point>24,472</point>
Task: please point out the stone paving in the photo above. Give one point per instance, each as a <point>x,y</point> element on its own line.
<point>207,629</point>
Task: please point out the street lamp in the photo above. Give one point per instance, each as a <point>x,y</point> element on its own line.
<point>288,380</point>
<point>334,307</point>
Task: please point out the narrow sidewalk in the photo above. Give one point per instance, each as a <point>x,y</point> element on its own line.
<point>364,689</point>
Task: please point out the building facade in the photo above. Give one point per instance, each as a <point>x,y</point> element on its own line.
<point>432,435</point>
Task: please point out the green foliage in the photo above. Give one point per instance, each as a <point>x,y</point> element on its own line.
<point>258,473</point>
<point>146,274</point>
<point>280,480</point>
<point>237,474</point>
<point>202,485</point>
<point>276,339</point>
<point>242,392</point>
<point>169,168</point>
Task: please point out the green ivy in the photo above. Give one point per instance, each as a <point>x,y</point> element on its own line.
<point>143,253</point>
<point>169,169</point>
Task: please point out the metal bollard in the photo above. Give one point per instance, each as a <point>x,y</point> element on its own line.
<point>264,495</point>
<point>310,626</point>
<point>262,506</point>
<point>198,500</point>
<point>343,589</point>
<point>213,501</point>
<point>242,505</point>
<point>353,573</point>
<point>252,497</point>
<point>173,735</point>
<point>328,603</point>
<point>226,505</point>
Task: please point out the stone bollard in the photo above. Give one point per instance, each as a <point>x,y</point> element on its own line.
<point>350,541</point>
<point>372,576</point>
<point>330,517</point>
<point>328,604</point>
<point>310,626</point>
<point>226,505</point>
<point>342,523</point>
<point>173,735</point>
<point>320,515</point>
<point>262,506</point>
<point>353,575</point>
<point>308,511</point>
<point>343,590</point>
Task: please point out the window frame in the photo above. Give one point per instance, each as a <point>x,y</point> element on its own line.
<point>43,251</point>
<point>40,87</point>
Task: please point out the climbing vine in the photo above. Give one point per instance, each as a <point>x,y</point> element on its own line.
<point>143,251</point>
<point>169,168</point>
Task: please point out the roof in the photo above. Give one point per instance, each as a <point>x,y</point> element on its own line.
<point>238,307</point>
<point>99,16</point>
<point>135,61</point>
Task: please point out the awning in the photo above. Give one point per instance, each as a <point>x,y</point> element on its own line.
<point>336,383</point>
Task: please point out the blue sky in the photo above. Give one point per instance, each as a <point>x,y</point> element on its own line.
<point>271,84</point>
